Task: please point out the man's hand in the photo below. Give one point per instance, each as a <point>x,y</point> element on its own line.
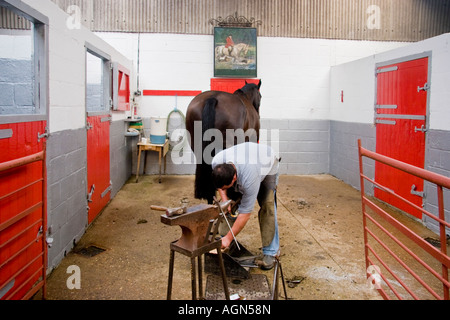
<point>238,225</point>
<point>226,241</point>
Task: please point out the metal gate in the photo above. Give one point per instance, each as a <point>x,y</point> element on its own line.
<point>23,216</point>
<point>98,164</point>
<point>400,117</point>
<point>391,242</point>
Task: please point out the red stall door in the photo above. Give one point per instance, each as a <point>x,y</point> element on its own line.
<point>23,250</point>
<point>400,129</point>
<point>98,164</point>
<point>230,85</point>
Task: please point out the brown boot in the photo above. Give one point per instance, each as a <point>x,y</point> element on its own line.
<point>267,262</point>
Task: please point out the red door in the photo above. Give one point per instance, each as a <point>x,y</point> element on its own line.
<point>22,210</point>
<point>400,129</point>
<point>230,85</point>
<point>98,164</point>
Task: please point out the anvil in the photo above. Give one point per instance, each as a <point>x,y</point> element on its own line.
<point>195,225</point>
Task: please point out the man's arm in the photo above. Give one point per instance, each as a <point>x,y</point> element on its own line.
<point>237,227</point>
<point>224,197</point>
<point>223,194</point>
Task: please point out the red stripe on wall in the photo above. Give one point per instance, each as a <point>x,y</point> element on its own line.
<point>185,93</point>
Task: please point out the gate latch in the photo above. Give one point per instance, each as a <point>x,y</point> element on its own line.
<point>39,233</point>
<point>89,196</point>
<point>417,193</point>
<point>426,87</point>
<point>421,129</point>
<point>43,135</point>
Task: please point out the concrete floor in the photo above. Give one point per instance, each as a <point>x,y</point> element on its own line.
<point>321,236</point>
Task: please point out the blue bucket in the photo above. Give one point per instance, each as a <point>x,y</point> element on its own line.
<point>158,132</point>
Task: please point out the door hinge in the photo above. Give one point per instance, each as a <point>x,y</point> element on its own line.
<point>106,119</point>
<point>108,189</point>
<point>426,87</point>
<point>390,122</point>
<point>43,135</point>
<point>88,126</point>
<point>383,70</point>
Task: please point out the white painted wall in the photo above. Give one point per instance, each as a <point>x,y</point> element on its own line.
<point>67,65</point>
<point>295,72</point>
<point>357,80</point>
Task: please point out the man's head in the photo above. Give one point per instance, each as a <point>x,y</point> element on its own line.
<point>224,175</point>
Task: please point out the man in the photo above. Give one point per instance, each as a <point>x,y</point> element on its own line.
<point>230,44</point>
<point>252,170</point>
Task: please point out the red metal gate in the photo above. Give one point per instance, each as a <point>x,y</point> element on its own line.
<point>389,235</point>
<point>98,164</point>
<point>401,110</point>
<point>23,216</point>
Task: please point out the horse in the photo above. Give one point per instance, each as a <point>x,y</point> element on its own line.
<point>221,110</point>
<point>235,53</point>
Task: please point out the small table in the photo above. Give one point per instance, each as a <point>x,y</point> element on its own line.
<point>162,149</point>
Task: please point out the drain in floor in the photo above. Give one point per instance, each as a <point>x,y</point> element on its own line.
<point>90,251</point>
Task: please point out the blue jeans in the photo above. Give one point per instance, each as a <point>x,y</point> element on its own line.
<point>268,221</point>
<point>273,248</point>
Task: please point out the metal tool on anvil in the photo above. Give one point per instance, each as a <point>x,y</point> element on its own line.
<point>170,211</point>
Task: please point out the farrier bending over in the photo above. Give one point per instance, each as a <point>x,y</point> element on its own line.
<point>252,170</point>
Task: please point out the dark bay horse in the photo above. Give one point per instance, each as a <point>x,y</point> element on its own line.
<point>221,110</point>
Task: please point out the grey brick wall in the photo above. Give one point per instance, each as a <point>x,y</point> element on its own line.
<point>303,147</point>
<point>66,188</point>
<point>438,161</point>
<point>345,166</point>
<point>16,87</point>
<point>121,155</point>
<point>303,144</point>
<point>344,162</point>
<point>94,97</point>
<point>67,184</point>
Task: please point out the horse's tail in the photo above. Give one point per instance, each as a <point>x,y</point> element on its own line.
<point>209,115</point>
<point>204,188</point>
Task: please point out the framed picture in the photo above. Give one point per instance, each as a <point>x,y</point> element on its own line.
<point>235,52</point>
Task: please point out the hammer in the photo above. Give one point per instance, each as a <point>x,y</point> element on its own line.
<point>170,211</point>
